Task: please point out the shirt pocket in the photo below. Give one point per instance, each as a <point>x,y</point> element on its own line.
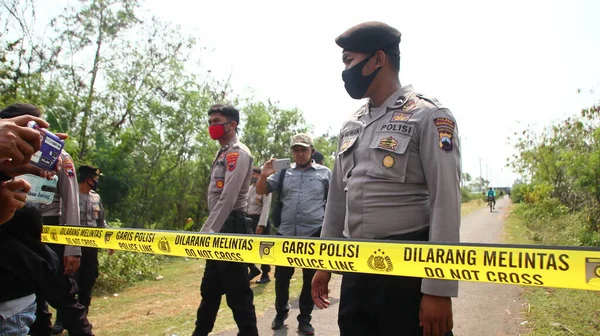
<point>389,157</point>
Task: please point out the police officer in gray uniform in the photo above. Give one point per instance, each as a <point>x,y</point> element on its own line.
<point>92,215</point>
<point>227,203</point>
<point>396,177</point>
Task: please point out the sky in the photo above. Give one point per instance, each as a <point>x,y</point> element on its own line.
<point>499,66</point>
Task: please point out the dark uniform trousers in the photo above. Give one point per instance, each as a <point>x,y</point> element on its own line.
<point>231,279</point>
<point>381,305</point>
<point>60,292</point>
<point>87,275</point>
<point>255,219</point>
<point>283,275</point>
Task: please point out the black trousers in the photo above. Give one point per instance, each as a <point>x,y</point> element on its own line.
<point>283,275</point>
<point>231,279</point>
<point>87,275</point>
<point>60,293</point>
<point>381,305</point>
<point>255,219</point>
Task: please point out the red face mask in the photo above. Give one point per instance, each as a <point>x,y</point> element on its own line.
<point>217,131</point>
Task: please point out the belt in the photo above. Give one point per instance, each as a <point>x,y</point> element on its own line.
<point>237,214</point>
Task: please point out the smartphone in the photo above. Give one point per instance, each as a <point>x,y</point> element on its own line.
<point>42,190</point>
<point>281,164</point>
<point>52,145</point>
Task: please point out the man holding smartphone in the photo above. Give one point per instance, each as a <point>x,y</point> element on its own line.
<point>303,192</point>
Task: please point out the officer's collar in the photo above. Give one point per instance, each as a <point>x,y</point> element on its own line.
<point>394,101</point>
<point>231,142</point>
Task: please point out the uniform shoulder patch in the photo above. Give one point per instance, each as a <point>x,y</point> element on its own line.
<point>68,166</point>
<point>232,160</point>
<point>445,128</point>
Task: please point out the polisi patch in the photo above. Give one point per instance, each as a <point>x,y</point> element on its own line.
<point>445,129</point>
<point>389,143</point>
<point>399,116</point>
<point>388,161</point>
<point>232,160</point>
<point>69,167</point>
<point>219,184</point>
<point>402,128</point>
<point>411,104</point>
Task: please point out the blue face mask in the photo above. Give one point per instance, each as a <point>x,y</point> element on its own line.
<point>355,83</point>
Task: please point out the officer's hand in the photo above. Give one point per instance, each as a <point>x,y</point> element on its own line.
<point>259,229</point>
<point>320,289</point>
<point>71,264</point>
<point>267,169</point>
<point>12,198</point>
<point>435,315</point>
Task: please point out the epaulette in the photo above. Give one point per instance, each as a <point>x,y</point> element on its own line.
<point>432,100</point>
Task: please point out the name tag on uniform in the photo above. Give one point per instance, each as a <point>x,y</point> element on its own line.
<point>349,137</point>
<point>396,127</point>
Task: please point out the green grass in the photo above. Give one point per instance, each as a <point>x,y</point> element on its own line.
<point>471,206</point>
<point>555,311</point>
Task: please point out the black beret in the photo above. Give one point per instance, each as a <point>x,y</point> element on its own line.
<point>89,170</point>
<point>369,37</point>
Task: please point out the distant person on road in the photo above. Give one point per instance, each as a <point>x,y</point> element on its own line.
<point>491,196</point>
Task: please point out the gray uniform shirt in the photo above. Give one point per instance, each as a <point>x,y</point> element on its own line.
<point>92,210</point>
<point>66,200</point>
<point>259,205</point>
<point>398,171</point>
<point>229,184</point>
<point>303,197</point>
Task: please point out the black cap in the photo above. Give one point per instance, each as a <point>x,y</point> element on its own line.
<point>89,171</point>
<point>370,37</point>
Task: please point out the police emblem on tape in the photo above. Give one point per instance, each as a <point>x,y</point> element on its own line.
<point>592,271</point>
<point>163,245</point>
<point>53,235</point>
<point>378,261</point>
<point>107,236</point>
<point>266,251</point>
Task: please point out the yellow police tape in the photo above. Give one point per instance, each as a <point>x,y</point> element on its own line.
<point>566,267</point>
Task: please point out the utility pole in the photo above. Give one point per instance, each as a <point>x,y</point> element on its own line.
<point>487,178</point>
<point>480,174</point>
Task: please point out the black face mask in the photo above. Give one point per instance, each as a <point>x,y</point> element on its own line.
<point>355,83</point>
<point>94,185</point>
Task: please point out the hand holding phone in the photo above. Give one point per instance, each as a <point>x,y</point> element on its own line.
<point>281,164</point>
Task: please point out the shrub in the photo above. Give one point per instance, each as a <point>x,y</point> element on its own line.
<point>123,268</point>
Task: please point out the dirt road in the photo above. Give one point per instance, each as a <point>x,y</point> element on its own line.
<point>481,309</point>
